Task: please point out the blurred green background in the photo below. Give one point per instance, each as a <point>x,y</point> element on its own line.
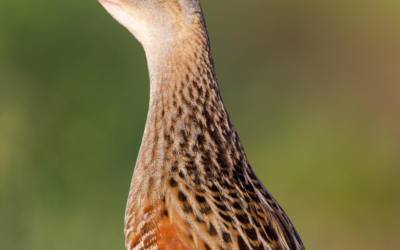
<point>313,88</point>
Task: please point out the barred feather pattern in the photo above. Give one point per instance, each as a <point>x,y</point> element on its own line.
<point>193,187</point>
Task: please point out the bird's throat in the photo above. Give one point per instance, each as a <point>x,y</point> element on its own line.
<point>187,125</point>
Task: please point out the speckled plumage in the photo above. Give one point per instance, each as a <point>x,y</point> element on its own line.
<point>193,187</point>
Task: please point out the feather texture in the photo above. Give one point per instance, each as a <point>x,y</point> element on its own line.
<point>193,187</point>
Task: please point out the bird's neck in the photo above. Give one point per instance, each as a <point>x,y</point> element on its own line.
<point>187,124</point>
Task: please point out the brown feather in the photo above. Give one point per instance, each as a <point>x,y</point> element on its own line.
<point>193,187</point>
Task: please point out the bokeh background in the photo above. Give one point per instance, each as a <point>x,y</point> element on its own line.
<point>313,88</point>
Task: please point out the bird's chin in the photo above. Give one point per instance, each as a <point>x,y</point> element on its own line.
<point>109,2</point>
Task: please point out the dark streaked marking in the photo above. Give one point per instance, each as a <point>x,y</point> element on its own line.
<point>226,237</point>
<point>228,186</point>
<point>207,246</point>
<point>240,177</point>
<point>191,168</point>
<point>197,180</point>
<point>264,236</point>
<point>214,188</point>
<point>187,209</point>
<point>234,195</point>
<point>200,190</point>
<point>212,231</point>
<point>195,148</point>
<point>173,183</point>
<point>205,209</point>
<point>267,195</point>
<point>251,233</point>
<point>206,159</point>
<point>254,197</point>
<point>219,198</point>
<point>261,216</point>
<point>252,175</point>
<point>227,171</point>
<point>243,218</point>
<point>250,188</point>
<point>201,139</point>
<point>182,196</point>
<point>236,205</point>
<point>207,169</point>
<point>259,247</point>
<point>258,185</point>
<point>222,207</point>
<point>134,244</point>
<point>242,244</point>
<point>200,199</point>
<point>198,219</point>
<point>227,218</point>
<point>271,232</point>
<point>255,222</point>
<point>167,138</point>
<point>179,111</point>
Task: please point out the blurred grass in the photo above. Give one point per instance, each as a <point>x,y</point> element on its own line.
<point>313,88</point>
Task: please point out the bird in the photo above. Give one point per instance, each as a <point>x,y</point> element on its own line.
<point>193,187</point>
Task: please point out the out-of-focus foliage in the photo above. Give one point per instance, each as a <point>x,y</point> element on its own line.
<point>313,88</point>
